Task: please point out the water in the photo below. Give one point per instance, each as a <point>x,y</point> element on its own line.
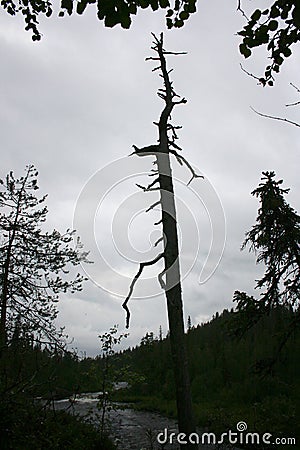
<point>130,429</point>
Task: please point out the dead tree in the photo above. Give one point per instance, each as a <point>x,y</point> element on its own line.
<point>170,277</point>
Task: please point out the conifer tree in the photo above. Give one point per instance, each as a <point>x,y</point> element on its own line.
<point>33,262</point>
<point>275,238</point>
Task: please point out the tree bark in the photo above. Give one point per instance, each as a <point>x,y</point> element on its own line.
<point>174,300</point>
<point>171,257</point>
<point>172,283</point>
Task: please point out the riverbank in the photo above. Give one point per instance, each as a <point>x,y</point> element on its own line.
<point>131,428</point>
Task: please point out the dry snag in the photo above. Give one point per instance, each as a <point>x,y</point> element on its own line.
<point>169,279</point>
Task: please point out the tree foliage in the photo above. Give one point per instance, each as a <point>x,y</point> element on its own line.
<point>34,263</point>
<point>111,12</point>
<point>277,28</point>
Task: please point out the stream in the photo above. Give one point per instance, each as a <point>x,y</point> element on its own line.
<point>129,429</point>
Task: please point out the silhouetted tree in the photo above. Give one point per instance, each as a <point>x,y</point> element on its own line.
<point>189,323</point>
<point>275,238</point>
<point>170,277</point>
<point>109,375</point>
<point>33,262</point>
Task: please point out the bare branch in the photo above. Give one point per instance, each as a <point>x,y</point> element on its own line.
<point>160,95</point>
<point>174,53</point>
<point>282,119</point>
<point>295,87</point>
<point>181,160</point>
<point>260,80</point>
<point>150,186</point>
<point>298,90</point>
<point>146,189</point>
<point>153,206</point>
<point>241,10</point>
<point>158,223</point>
<point>158,241</point>
<point>155,38</point>
<point>293,104</point>
<point>154,174</point>
<point>173,129</point>
<point>141,268</point>
<point>175,145</point>
<point>183,100</point>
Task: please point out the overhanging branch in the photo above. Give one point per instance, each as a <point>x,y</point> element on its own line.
<point>139,273</point>
<point>282,119</point>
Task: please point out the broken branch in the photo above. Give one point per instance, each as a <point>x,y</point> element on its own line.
<point>161,281</point>
<point>158,241</point>
<point>149,187</point>
<point>153,206</point>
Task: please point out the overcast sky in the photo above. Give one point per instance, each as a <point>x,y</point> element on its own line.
<point>73,105</point>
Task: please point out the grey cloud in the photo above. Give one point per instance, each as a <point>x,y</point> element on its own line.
<point>79,99</point>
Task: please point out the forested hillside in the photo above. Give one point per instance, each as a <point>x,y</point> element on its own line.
<point>254,378</point>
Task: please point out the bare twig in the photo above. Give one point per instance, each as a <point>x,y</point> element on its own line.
<point>282,119</point>
<point>150,186</point>
<point>181,159</point>
<point>158,241</point>
<point>298,90</point>
<point>295,87</point>
<point>153,206</point>
<point>141,268</point>
<point>251,75</point>
<point>146,189</point>
<point>183,100</point>
<point>175,145</point>
<point>241,10</point>
<point>174,53</point>
<point>293,104</point>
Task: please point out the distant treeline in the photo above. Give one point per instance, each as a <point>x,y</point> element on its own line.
<point>254,378</point>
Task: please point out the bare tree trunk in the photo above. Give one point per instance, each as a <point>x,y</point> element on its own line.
<point>172,283</point>
<point>174,299</point>
<point>171,257</point>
